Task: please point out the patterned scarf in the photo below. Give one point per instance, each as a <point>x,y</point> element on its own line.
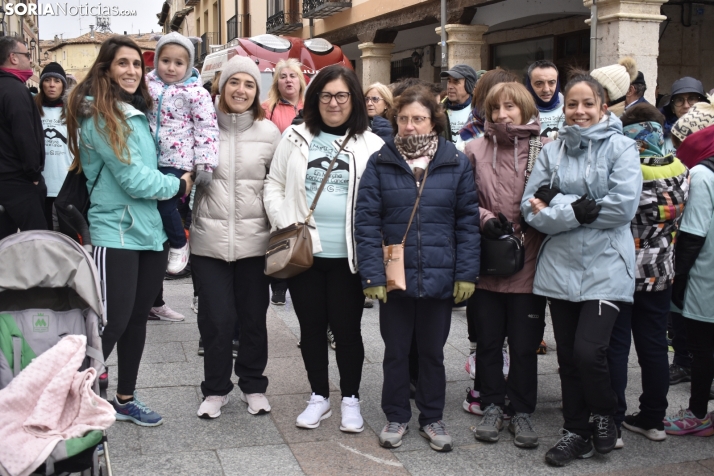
<point>417,150</point>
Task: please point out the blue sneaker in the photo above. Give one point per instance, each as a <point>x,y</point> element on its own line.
<point>137,412</point>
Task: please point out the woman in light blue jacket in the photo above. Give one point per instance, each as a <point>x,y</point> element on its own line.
<point>583,193</point>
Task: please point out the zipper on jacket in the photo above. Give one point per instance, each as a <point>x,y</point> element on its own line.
<point>231,189</point>
<point>419,269</point>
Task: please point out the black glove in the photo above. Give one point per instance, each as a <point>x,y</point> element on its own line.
<point>546,194</point>
<point>495,228</point>
<point>678,288</point>
<point>586,210</point>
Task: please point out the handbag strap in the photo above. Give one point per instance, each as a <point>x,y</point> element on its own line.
<point>89,197</point>
<point>327,175</point>
<point>416,205</point>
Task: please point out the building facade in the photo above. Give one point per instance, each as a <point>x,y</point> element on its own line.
<point>26,29</point>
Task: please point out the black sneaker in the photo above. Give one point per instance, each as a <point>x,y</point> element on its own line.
<point>200,346</point>
<point>638,424</point>
<point>235,349</point>
<point>569,448</point>
<point>604,433</point>
<point>278,297</point>
<point>679,374</point>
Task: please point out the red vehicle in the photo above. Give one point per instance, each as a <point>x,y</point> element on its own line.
<point>266,50</point>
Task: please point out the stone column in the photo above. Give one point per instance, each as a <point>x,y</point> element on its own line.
<point>629,28</point>
<point>376,62</point>
<point>464,44</point>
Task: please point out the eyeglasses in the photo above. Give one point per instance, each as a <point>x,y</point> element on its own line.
<point>416,120</point>
<point>28,54</point>
<point>341,98</point>
<point>691,100</point>
<point>374,99</point>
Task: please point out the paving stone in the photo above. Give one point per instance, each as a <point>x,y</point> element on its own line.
<point>288,376</point>
<point>690,469</point>
<point>193,434</point>
<point>191,463</point>
<point>172,332</point>
<point>275,460</point>
<point>159,353</point>
<point>169,375</point>
<point>707,463</point>
<point>358,456</point>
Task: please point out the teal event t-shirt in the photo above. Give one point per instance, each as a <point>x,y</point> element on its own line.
<point>330,213</point>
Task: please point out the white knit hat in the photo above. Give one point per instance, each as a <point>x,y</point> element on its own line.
<point>239,64</point>
<point>176,38</point>
<point>616,78</point>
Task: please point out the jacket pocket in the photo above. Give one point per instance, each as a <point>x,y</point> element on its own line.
<point>617,244</point>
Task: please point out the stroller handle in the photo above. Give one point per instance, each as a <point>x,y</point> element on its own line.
<point>77,222</point>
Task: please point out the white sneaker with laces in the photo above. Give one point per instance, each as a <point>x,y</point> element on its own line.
<point>352,421</point>
<point>178,259</point>
<point>318,408</point>
<point>257,403</point>
<point>211,406</point>
<point>165,313</point>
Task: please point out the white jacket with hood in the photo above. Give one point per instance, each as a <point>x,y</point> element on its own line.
<point>285,196</point>
<point>229,220</point>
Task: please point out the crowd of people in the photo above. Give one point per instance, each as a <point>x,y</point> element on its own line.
<point>595,189</point>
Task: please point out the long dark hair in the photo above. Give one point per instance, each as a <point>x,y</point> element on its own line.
<point>107,96</point>
<point>41,98</point>
<point>358,121</point>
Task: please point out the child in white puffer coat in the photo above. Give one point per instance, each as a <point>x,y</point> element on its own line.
<point>183,123</point>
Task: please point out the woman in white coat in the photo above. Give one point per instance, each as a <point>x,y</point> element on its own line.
<point>229,236</point>
<point>330,292</point>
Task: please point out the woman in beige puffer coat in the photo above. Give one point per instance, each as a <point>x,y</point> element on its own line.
<point>228,240</point>
<point>506,306</point>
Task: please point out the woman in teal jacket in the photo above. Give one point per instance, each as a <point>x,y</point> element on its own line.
<point>583,193</point>
<point>110,140</point>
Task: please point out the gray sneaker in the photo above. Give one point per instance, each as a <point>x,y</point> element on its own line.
<point>491,424</point>
<point>439,438</point>
<point>522,428</point>
<point>391,435</point>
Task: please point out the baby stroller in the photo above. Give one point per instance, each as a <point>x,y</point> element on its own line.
<point>49,288</point>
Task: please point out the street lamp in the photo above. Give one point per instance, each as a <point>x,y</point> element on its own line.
<point>33,43</point>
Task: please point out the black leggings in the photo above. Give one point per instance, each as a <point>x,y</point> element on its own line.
<point>582,335</point>
<point>131,279</point>
<point>328,293</point>
<point>700,339</point>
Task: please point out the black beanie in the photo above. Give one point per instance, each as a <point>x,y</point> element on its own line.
<point>54,70</point>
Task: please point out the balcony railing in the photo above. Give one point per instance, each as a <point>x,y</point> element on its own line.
<point>283,22</point>
<point>323,8</point>
<point>238,27</point>
<point>208,38</point>
<point>190,3</point>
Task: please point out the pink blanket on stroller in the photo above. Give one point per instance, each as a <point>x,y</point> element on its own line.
<point>49,401</point>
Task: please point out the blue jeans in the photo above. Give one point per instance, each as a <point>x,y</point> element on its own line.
<point>170,215</point>
<point>646,321</point>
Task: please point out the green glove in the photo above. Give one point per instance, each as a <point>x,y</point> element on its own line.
<point>462,291</point>
<point>378,292</point>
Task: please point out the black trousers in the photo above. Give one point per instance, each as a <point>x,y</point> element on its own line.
<point>430,320</point>
<point>682,354</point>
<point>700,339</point>
<point>646,321</point>
<point>230,292</point>
<point>328,293</point>
<point>24,204</point>
<point>582,334</point>
<point>521,317</point>
<point>131,281</point>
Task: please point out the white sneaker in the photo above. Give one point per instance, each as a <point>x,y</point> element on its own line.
<point>178,259</point>
<point>352,421</point>
<point>470,366</point>
<point>194,305</point>
<point>211,406</point>
<point>165,313</point>
<point>257,403</point>
<point>318,408</point>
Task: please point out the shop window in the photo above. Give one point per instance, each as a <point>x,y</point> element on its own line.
<point>518,55</point>
<point>403,68</point>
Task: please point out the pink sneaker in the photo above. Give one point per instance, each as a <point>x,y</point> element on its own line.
<point>685,423</point>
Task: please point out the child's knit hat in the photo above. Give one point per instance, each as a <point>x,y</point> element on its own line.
<point>178,39</point>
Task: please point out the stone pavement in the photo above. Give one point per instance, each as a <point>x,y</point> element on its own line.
<point>238,443</point>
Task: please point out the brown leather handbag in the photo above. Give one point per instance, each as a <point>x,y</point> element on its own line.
<point>289,250</point>
<point>394,254</point>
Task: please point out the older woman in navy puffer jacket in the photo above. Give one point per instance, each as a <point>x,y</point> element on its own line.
<point>441,257</point>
